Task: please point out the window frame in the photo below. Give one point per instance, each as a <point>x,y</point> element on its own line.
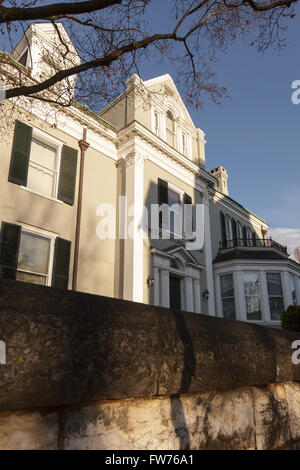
<point>157,123</point>
<point>45,234</point>
<point>259,295</point>
<point>172,132</point>
<point>228,231</point>
<point>278,296</point>
<point>228,297</point>
<point>46,139</point>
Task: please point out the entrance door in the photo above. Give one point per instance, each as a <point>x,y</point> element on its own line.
<point>175,294</point>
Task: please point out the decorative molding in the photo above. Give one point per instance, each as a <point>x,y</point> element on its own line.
<point>134,158</point>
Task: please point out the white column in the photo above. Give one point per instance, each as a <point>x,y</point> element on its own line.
<point>240,304</point>
<point>156,286</point>
<point>286,286</point>
<point>197,296</point>
<point>265,307</point>
<point>189,294</point>
<point>133,252</point>
<point>164,288</point>
<point>208,257</point>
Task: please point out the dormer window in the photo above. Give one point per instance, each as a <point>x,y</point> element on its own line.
<point>23,58</point>
<point>170,129</point>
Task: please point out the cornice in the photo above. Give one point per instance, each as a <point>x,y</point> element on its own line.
<point>135,129</point>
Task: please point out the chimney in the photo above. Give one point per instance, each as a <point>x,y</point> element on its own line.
<point>221,176</point>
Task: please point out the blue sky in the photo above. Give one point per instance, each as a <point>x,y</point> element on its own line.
<point>255,134</point>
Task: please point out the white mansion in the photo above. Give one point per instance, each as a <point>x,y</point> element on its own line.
<point>58,168</point>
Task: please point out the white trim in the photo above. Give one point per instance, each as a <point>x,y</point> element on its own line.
<point>42,195</point>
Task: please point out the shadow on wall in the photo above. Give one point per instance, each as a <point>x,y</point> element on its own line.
<point>177,410</point>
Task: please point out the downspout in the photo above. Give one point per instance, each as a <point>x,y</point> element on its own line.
<point>83,145</point>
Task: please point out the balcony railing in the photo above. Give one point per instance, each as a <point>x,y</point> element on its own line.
<point>255,242</point>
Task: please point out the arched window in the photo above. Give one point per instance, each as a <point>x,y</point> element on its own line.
<point>228,228</point>
<point>223,230</point>
<point>253,238</point>
<point>170,129</point>
<point>239,234</point>
<point>249,236</point>
<point>234,232</point>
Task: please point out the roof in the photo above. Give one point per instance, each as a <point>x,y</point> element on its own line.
<point>241,206</point>
<point>250,254</point>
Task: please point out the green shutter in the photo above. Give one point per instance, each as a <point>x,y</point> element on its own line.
<point>67,175</point>
<point>61,263</point>
<point>189,226</point>
<point>162,191</point>
<point>20,154</point>
<point>9,250</point>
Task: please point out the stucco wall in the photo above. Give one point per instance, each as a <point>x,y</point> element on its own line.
<point>84,371</point>
<point>18,205</point>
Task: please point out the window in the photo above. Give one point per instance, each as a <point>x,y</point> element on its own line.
<point>170,129</point>
<point>36,257</point>
<point>42,164</point>
<point>252,295</point>
<point>275,295</point>
<point>227,295</point>
<point>249,237</point>
<point>33,260</point>
<point>156,123</point>
<point>172,222</point>
<point>293,289</point>
<point>184,144</point>
<point>239,232</point>
<point>43,167</point>
<point>228,229</point>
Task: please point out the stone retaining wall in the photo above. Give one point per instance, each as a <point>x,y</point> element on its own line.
<point>91,372</point>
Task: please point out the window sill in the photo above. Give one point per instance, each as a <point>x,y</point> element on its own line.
<point>42,195</point>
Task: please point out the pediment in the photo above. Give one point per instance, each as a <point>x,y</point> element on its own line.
<point>166,88</point>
